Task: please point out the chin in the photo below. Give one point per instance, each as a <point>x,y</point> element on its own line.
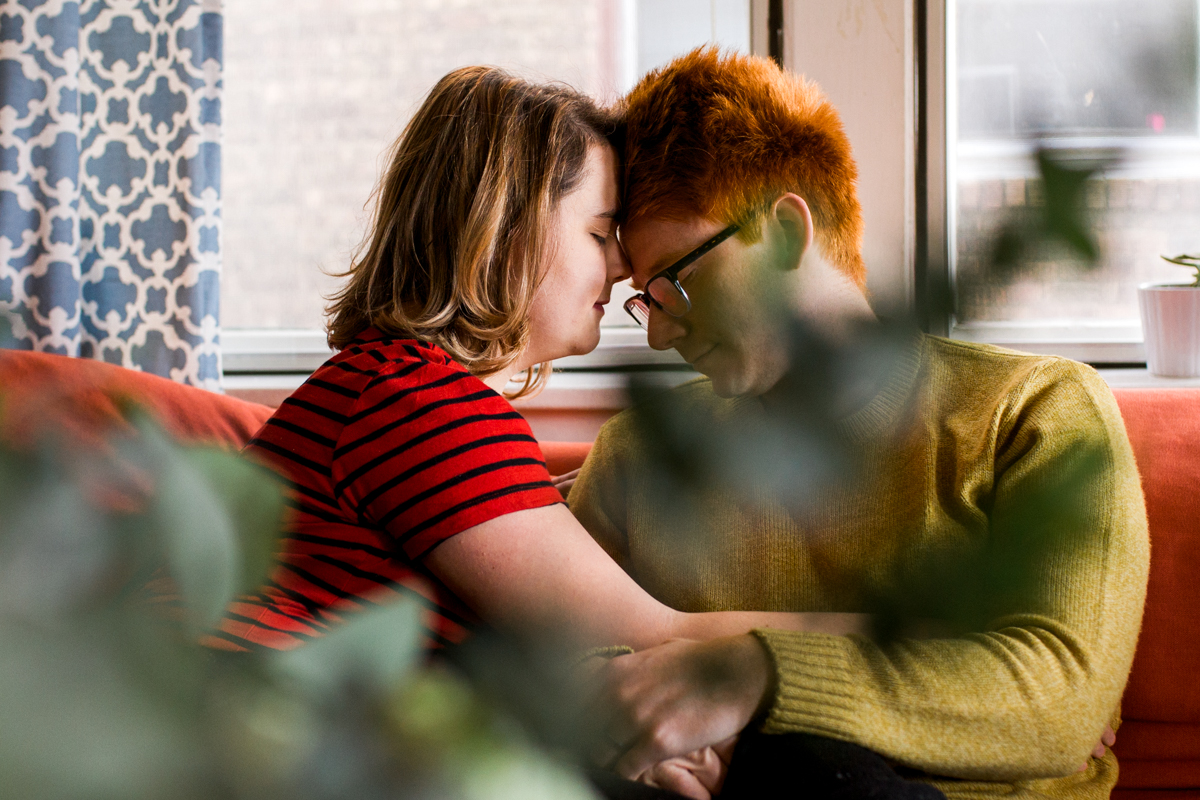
<point>585,344</point>
<point>726,385</point>
<point>738,383</point>
<point>729,378</point>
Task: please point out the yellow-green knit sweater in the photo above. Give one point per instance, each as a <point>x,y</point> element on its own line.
<point>954,441</point>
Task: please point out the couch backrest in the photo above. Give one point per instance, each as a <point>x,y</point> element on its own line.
<point>82,398</point>
<point>1164,428</point>
<point>563,457</point>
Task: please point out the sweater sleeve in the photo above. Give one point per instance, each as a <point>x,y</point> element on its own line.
<point>598,496</point>
<point>1028,694</point>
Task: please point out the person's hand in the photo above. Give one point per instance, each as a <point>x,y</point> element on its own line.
<point>699,775</point>
<point>682,696</point>
<point>564,482</point>
<point>1107,739</point>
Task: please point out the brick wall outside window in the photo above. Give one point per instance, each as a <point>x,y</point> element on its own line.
<point>1136,220</point>
<point>316,91</point>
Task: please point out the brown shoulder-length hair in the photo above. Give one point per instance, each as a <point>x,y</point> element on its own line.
<point>453,255</point>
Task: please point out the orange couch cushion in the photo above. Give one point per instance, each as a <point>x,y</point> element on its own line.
<point>45,393</point>
<point>564,456</point>
<point>1159,744</point>
<point>82,397</point>
<point>1120,793</point>
<point>1170,741</point>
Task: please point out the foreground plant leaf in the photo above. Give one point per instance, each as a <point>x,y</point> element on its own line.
<point>374,651</point>
<point>198,532</point>
<point>1061,221</point>
<point>219,519</point>
<point>102,698</point>
<point>253,502</point>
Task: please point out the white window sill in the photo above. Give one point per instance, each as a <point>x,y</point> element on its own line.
<point>256,351</point>
<point>1140,378</point>
<point>567,391</point>
<point>266,350</point>
<point>1138,157</point>
<point>575,404</point>
<point>1094,343</point>
<point>267,366</point>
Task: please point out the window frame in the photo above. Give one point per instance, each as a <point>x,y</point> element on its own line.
<point>1114,343</point>
<point>922,268</point>
<point>281,351</point>
<point>271,353</point>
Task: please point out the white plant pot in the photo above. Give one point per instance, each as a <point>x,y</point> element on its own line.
<point>1171,325</point>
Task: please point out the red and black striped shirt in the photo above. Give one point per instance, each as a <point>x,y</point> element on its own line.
<point>389,449</point>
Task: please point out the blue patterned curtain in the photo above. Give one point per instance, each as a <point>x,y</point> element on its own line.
<point>110,182</point>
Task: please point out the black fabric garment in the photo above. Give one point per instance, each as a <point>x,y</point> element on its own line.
<point>789,765</point>
<point>800,764</point>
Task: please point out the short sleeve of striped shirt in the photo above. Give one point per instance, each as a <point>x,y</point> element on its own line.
<point>428,451</point>
<point>387,450</point>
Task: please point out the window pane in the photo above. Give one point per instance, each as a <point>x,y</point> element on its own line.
<point>1136,219</point>
<point>1076,67</point>
<point>1079,74</point>
<point>317,90</point>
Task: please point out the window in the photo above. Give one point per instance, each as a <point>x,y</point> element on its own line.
<point>317,91</point>
<point>1081,76</point>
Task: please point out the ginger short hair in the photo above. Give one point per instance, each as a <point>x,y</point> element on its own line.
<point>722,136</point>
<point>459,231</point>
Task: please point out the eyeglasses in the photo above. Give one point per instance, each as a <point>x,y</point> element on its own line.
<point>664,289</point>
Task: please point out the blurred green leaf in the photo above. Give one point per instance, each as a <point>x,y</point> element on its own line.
<point>522,775</point>
<point>199,532</point>
<point>55,552</point>
<point>374,650</point>
<point>1064,184</point>
<point>219,519</point>
<point>791,452</point>
<point>78,725</point>
<point>533,680</point>
<point>253,502</point>
<point>1062,220</point>
<point>441,720</point>
<point>971,585</point>
<point>101,696</point>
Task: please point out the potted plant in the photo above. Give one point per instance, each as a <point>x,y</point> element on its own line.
<point>1171,323</point>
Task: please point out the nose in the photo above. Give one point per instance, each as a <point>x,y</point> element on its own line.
<point>664,331</point>
<point>618,265</point>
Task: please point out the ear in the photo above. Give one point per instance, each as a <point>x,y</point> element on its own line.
<point>793,222</point>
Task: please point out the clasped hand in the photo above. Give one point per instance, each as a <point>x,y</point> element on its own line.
<point>675,710</point>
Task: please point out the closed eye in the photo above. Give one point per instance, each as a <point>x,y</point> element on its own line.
<point>601,240</point>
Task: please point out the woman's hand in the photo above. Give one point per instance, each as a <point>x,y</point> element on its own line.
<point>699,775</point>
<point>682,696</point>
<point>1107,739</point>
<point>565,481</point>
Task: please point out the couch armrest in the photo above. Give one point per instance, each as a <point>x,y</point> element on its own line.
<point>84,399</point>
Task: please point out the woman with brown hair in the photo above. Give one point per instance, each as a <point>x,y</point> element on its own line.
<point>492,251</point>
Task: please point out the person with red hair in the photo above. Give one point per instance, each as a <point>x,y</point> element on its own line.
<point>741,225</point>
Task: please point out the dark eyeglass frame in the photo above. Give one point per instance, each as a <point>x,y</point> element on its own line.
<point>671,275</point>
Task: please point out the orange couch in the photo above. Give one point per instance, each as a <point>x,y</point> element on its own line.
<point>1158,746</point>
